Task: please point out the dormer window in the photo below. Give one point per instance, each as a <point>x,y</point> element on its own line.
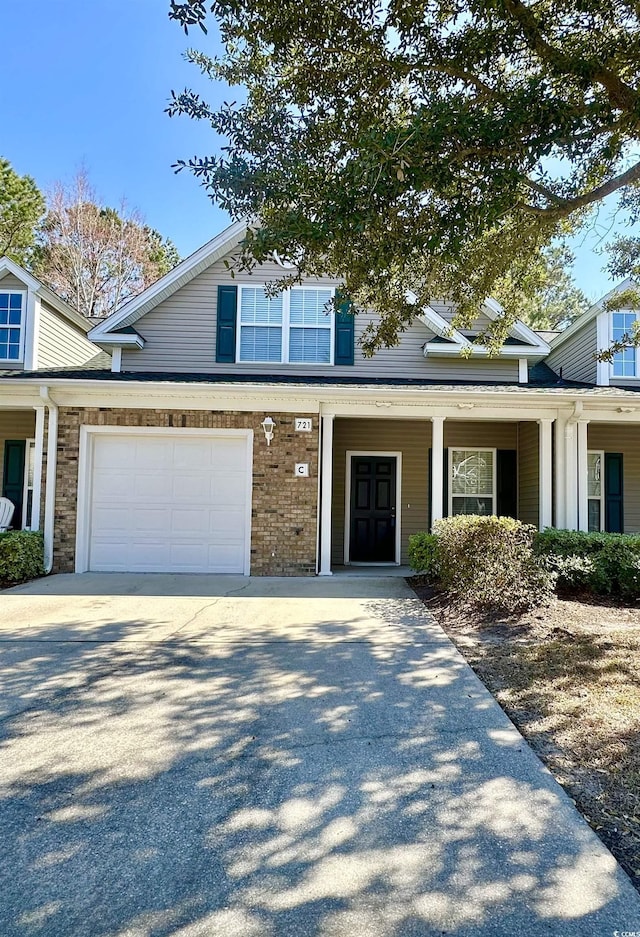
<point>625,362</point>
<point>12,304</point>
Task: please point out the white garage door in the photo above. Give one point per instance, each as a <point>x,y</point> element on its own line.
<point>169,503</point>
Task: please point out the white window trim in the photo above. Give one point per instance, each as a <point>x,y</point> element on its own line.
<point>23,316</point>
<point>624,377</point>
<point>351,453</point>
<point>599,497</point>
<point>285,326</point>
<point>494,494</point>
<point>25,485</point>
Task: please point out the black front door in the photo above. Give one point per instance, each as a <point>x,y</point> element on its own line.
<point>372,536</point>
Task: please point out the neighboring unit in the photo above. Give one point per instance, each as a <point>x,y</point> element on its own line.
<point>240,431</point>
<point>38,332</point>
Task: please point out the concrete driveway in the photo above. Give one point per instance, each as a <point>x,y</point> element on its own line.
<point>203,756</point>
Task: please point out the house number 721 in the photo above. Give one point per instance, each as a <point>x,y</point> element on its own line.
<point>304,424</point>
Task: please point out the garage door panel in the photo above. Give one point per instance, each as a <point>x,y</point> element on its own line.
<point>152,485</point>
<point>187,455</point>
<point>169,504</point>
<point>194,486</point>
<point>224,490</point>
<point>111,484</point>
<point>152,454</point>
<point>113,456</point>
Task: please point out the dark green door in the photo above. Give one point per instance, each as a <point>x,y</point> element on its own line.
<point>372,535</point>
<point>13,477</point>
<point>613,493</point>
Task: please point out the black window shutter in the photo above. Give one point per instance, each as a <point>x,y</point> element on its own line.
<point>507,487</point>
<point>227,317</point>
<point>614,506</point>
<point>344,337</point>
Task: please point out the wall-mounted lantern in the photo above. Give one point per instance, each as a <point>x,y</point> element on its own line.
<point>267,425</point>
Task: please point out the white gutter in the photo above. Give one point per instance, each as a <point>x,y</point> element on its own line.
<point>50,482</point>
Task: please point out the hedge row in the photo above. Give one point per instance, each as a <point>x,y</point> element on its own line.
<point>21,556</point>
<point>604,564</point>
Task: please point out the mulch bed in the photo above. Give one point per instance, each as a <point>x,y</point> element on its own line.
<point>568,676</point>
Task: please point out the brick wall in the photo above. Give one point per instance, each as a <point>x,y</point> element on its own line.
<point>284,508</point>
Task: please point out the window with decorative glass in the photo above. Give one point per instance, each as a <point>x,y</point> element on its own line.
<point>595,476</point>
<point>472,481</point>
<point>625,362</point>
<point>11,326</point>
<point>295,326</point>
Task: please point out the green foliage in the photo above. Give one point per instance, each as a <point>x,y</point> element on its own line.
<point>21,556</point>
<point>543,290</point>
<point>489,562</point>
<point>605,564</point>
<point>437,148</point>
<point>423,554</point>
<point>21,207</point>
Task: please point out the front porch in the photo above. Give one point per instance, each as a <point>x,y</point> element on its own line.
<point>391,478</point>
<point>386,478</point>
<point>18,470</point>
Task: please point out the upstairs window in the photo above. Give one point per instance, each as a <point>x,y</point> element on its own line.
<point>11,326</point>
<point>295,327</point>
<point>625,362</point>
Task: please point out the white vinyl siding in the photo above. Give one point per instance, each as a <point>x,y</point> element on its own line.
<point>575,358</point>
<point>180,337</point>
<point>62,345</point>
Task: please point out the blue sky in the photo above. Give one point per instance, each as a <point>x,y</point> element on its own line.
<point>86,83</point>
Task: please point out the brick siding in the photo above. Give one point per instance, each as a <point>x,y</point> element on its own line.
<point>284,508</point>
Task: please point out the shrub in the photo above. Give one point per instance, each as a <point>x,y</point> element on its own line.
<point>489,562</point>
<point>605,564</point>
<point>21,556</point>
<point>423,554</point>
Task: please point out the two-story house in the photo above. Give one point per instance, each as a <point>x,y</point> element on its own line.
<point>242,432</point>
<point>38,332</point>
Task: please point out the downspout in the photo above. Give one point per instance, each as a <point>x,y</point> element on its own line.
<point>50,481</point>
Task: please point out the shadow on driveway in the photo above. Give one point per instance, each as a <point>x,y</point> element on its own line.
<point>351,779</point>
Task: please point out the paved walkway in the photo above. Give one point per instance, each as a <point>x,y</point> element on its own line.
<point>223,757</point>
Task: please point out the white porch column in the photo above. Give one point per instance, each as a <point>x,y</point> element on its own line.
<point>560,472</point>
<point>571,475</point>
<point>37,469</point>
<point>545,491</point>
<point>583,493</point>
<point>437,463</point>
<point>326,488</point>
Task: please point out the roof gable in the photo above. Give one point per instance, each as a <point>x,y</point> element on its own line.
<point>107,331</point>
<point>8,266</point>
<point>118,328</point>
<point>593,311</point>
